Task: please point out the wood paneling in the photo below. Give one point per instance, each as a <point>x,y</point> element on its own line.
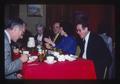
<point>11,10</point>
<point>97,13</point>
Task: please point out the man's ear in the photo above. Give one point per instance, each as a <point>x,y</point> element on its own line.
<point>86,28</point>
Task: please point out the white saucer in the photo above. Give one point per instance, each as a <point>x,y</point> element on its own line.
<point>32,59</point>
<point>50,62</point>
<point>69,58</point>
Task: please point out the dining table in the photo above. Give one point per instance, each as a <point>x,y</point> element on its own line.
<point>78,69</point>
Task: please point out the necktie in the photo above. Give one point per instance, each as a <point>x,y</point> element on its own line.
<point>83,43</point>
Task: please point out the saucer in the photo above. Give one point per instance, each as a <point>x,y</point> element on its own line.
<point>50,62</point>
<point>69,58</point>
<point>32,59</point>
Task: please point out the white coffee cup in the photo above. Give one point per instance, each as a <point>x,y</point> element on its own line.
<point>61,58</point>
<point>50,59</point>
<point>56,53</point>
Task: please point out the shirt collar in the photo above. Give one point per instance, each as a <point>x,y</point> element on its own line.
<point>8,35</point>
<point>87,36</point>
<point>39,37</point>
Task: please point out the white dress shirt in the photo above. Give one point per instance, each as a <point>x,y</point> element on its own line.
<point>85,47</point>
<point>9,39</point>
<point>39,37</point>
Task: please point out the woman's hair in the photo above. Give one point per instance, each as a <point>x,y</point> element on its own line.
<point>67,27</point>
<point>39,25</point>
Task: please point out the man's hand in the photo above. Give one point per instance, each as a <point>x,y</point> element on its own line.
<point>19,76</point>
<point>49,41</point>
<point>63,33</point>
<point>48,46</point>
<point>16,50</point>
<point>24,58</point>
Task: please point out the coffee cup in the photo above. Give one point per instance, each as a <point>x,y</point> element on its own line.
<point>50,59</point>
<point>61,58</point>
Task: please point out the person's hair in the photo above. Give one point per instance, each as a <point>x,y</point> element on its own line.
<point>67,27</point>
<point>81,18</point>
<point>11,22</point>
<point>54,22</point>
<point>39,25</point>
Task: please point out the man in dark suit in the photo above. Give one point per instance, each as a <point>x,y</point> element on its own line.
<point>15,28</point>
<point>94,46</point>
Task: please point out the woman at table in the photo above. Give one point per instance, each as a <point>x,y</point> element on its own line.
<point>40,29</point>
<point>53,33</point>
<point>67,42</point>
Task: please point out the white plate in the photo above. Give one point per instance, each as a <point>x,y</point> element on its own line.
<point>73,56</point>
<point>50,62</point>
<point>69,58</point>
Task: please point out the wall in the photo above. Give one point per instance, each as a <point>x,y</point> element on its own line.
<point>11,10</point>
<point>32,21</point>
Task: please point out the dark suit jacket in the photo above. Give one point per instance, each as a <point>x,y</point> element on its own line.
<point>11,67</point>
<point>99,53</point>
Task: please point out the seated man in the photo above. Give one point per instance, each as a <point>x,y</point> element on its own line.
<point>66,42</point>
<point>94,47</point>
<point>15,29</point>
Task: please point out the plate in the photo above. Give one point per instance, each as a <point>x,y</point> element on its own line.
<point>73,56</point>
<point>69,58</point>
<point>50,62</point>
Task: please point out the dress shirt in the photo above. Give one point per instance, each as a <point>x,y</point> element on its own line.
<point>85,46</point>
<point>39,37</point>
<point>8,36</point>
